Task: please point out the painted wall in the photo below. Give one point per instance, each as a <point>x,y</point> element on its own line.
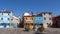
<point>38,19</point>
<point>14,22</point>
<point>5,20</point>
<point>47,16</point>
<point>47,21</point>
<point>28,20</point>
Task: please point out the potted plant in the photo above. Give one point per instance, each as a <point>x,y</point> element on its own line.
<point>27,28</point>
<point>40,29</point>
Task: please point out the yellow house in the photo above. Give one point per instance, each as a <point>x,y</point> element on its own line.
<point>28,20</point>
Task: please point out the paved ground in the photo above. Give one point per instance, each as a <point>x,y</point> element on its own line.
<point>20,31</point>
<point>15,31</point>
<point>53,31</point>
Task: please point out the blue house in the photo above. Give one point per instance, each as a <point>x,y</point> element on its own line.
<point>38,21</point>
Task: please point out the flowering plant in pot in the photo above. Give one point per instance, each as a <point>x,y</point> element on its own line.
<point>27,28</point>
<point>40,29</point>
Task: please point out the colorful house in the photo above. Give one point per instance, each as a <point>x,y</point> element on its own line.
<point>47,19</point>
<point>5,18</point>
<point>28,20</point>
<point>56,21</point>
<point>14,21</point>
<point>38,21</point>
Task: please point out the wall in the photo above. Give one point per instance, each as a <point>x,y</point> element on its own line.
<point>14,21</point>
<point>47,22</point>
<point>5,17</point>
<point>38,19</point>
<point>47,16</point>
<point>29,20</point>
<point>53,21</point>
<point>56,21</point>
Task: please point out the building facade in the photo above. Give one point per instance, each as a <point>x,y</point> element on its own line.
<point>28,20</point>
<point>38,21</point>
<point>14,22</point>
<point>47,19</point>
<point>56,21</point>
<point>5,19</point>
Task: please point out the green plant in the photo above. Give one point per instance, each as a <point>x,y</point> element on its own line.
<point>27,28</point>
<point>40,29</point>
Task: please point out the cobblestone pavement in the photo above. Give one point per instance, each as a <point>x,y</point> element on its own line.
<point>20,31</point>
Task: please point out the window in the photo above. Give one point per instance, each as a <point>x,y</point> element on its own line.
<point>39,18</point>
<point>31,18</point>
<point>0,23</point>
<point>8,24</point>
<point>2,13</point>
<point>8,18</point>
<point>49,14</point>
<point>49,18</point>
<point>47,23</point>
<point>16,19</point>
<point>11,24</point>
<point>26,18</point>
<point>1,18</point>
<point>11,19</point>
<point>4,24</point>
<point>44,13</point>
<point>31,23</point>
<point>8,13</point>
<point>28,24</point>
<point>44,18</point>
<point>25,24</point>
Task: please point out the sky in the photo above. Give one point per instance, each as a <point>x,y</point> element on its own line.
<point>36,6</point>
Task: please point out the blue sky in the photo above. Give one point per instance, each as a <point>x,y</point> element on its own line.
<point>36,6</point>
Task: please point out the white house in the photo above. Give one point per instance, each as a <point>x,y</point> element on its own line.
<point>47,19</point>
<point>14,21</point>
<point>5,18</point>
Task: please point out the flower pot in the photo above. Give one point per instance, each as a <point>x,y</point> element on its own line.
<point>41,29</point>
<point>27,28</point>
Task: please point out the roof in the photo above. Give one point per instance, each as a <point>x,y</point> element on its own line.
<point>58,16</point>
<point>15,17</point>
<point>46,12</point>
<point>27,14</point>
<point>37,14</point>
<point>5,11</point>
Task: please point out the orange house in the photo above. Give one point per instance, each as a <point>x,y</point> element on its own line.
<point>28,20</point>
